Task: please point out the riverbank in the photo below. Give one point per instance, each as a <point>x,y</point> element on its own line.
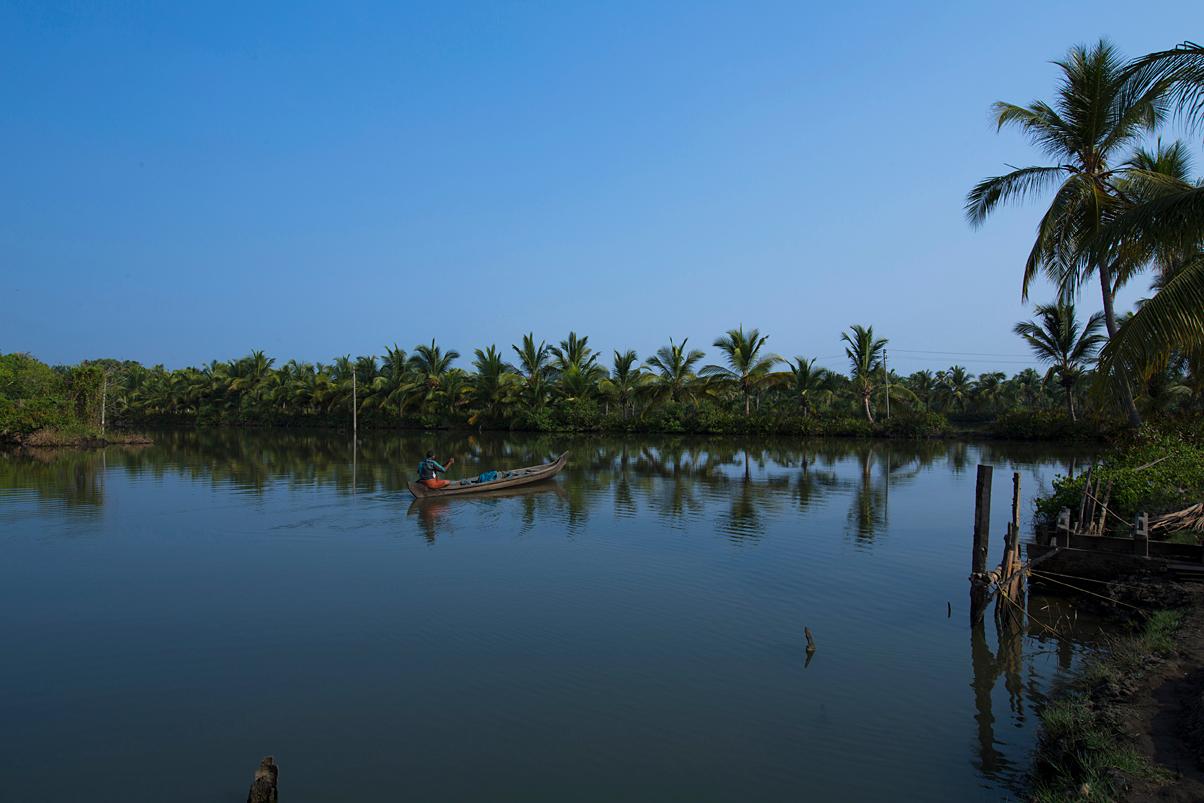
<point>1131,728</point>
<point>56,438</point>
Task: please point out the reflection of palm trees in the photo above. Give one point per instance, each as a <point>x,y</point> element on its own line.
<point>675,477</point>
<point>867,513</point>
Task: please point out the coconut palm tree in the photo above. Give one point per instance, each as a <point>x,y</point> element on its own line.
<point>575,352</point>
<point>954,387</point>
<point>807,383</point>
<point>394,384</point>
<point>1086,131</point>
<point>673,369</point>
<point>493,384</point>
<point>989,391</point>
<point>429,365</point>
<point>1056,340</point>
<point>865,361</point>
<point>1174,318</point>
<point>624,381</point>
<point>747,367</point>
<point>534,364</point>
<point>924,386</point>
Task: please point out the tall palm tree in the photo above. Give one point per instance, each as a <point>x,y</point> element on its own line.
<point>1091,123</point>
<point>624,381</point>
<point>924,385</point>
<point>865,362</point>
<point>954,387</point>
<point>535,366</point>
<point>747,367</point>
<point>989,390</point>
<point>1174,318</point>
<point>575,352</point>
<point>807,383</point>
<point>430,364</point>
<point>492,384</point>
<point>1056,340</point>
<point>673,368</point>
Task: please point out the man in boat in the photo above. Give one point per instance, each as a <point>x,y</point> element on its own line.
<point>429,471</point>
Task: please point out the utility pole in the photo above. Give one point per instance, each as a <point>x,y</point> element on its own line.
<point>887,370</point>
<point>354,405</point>
<point>104,392</point>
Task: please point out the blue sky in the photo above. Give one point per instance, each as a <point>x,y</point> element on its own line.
<point>183,182</point>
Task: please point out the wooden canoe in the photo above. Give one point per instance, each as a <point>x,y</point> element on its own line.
<point>505,479</point>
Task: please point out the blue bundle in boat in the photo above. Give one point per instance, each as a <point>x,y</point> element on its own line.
<point>487,476</point>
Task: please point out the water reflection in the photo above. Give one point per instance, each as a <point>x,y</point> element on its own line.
<point>650,600</point>
<point>677,479</point>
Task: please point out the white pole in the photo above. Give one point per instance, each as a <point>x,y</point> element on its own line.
<point>104,392</point>
<point>886,368</point>
<point>354,405</point>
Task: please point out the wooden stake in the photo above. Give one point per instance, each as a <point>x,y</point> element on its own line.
<point>979,587</point>
<point>1083,501</point>
<point>810,640</point>
<point>1015,556</point>
<point>982,518</point>
<point>1103,512</point>
<point>263,788</point>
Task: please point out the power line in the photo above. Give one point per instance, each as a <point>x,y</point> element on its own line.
<point>965,353</point>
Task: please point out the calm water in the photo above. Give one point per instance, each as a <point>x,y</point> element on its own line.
<point>632,631</point>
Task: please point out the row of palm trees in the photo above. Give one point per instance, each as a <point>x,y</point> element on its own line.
<point>538,383</point>
<point>1123,204</point>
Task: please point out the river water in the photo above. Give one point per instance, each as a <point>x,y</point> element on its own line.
<point>631,631</point>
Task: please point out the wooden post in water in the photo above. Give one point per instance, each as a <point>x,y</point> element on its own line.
<point>1016,518</point>
<point>1009,575</point>
<point>355,423</point>
<point>263,788</point>
<point>982,527</point>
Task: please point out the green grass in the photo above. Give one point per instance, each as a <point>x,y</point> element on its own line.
<point>1080,749</point>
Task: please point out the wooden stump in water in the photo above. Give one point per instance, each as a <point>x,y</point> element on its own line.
<point>263,788</point>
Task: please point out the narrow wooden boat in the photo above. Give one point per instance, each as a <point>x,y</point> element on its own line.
<point>505,479</point>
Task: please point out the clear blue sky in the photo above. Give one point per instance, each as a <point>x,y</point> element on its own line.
<point>184,182</point>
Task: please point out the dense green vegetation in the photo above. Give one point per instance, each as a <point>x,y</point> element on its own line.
<point>1152,472</point>
<point>1121,203</point>
<point>34,396</point>
<point>565,386</point>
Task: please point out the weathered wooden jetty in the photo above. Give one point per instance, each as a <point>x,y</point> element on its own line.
<point>1076,546</point>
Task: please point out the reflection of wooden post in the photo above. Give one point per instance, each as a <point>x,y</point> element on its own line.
<point>263,788</point>
<point>979,587</point>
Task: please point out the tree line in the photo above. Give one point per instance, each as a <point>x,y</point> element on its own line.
<point>1124,203</point>
<point>565,385</point>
